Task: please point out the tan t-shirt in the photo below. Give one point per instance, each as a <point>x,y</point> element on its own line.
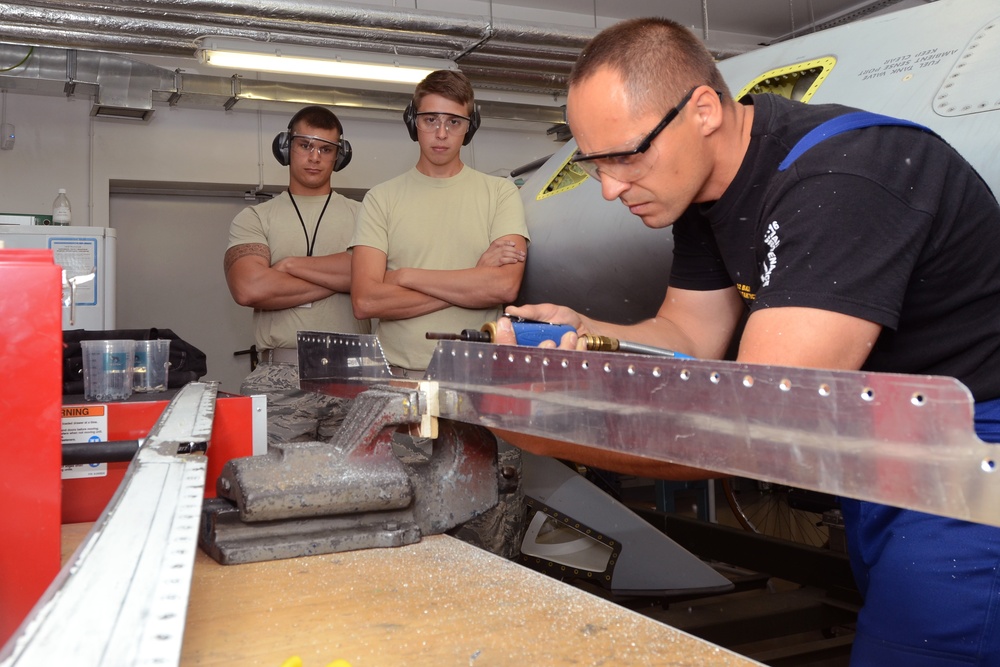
<point>436,223</point>
<point>276,224</point>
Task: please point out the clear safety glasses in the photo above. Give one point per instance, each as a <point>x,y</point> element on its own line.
<point>431,122</point>
<point>309,144</point>
<point>626,164</point>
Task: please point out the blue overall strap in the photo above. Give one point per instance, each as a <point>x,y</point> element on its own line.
<point>987,420</point>
<point>851,121</point>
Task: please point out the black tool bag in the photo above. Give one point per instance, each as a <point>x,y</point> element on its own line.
<point>187,363</point>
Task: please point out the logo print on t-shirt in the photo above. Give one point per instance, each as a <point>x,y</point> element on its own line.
<point>772,241</point>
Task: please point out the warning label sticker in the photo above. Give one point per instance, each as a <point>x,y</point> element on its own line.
<point>84,423</point>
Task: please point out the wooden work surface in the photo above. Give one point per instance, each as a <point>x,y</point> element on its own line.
<point>437,602</point>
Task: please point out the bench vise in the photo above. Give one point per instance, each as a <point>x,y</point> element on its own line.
<point>354,492</point>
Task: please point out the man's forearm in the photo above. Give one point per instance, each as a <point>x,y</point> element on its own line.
<point>253,283</point>
<point>332,272</point>
<point>290,292</point>
<point>467,288</point>
<point>392,302</point>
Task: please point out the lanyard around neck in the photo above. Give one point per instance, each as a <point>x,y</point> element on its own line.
<point>310,245</point>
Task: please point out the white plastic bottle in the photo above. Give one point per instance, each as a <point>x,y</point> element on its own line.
<point>61,213</point>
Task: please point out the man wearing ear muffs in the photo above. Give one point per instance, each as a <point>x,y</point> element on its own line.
<point>422,244</point>
<point>287,260</point>
<point>440,248</point>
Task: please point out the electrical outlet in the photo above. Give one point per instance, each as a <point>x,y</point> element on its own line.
<point>7,138</point>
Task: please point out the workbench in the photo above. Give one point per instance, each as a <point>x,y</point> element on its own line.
<point>437,602</point>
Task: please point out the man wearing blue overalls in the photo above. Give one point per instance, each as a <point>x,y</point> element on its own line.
<point>868,244</point>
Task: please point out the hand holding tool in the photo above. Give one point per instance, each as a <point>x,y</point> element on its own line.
<point>526,332</point>
<point>532,333</point>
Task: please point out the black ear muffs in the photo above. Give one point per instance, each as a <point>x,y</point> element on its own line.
<point>280,147</point>
<point>282,144</point>
<point>410,119</point>
<point>474,121</point>
<point>344,153</point>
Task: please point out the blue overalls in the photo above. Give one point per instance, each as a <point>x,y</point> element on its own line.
<point>931,584</point>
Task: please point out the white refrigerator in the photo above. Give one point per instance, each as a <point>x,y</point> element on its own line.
<point>87,257</point>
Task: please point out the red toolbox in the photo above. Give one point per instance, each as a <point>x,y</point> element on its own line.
<point>86,490</point>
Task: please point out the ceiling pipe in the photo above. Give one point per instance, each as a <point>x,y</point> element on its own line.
<point>119,84</point>
<point>287,22</point>
<point>322,14</point>
<point>495,51</point>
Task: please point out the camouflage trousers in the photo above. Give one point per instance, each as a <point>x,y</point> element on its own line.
<point>500,529</point>
<point>294,415</point>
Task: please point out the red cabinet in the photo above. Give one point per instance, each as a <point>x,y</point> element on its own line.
<point>30,402</point>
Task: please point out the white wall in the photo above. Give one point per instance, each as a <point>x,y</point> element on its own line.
<point>59,145</point>
<point>52,151</point>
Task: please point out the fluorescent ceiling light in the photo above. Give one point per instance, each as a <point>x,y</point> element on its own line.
<point>269,57</point>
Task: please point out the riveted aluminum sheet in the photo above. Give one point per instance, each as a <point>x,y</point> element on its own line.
<point>903,440</point>
<point>342,364</point>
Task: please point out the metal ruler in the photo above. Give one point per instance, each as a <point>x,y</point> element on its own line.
<point>122,597</point>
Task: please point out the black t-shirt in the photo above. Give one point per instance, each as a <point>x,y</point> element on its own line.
<point>888,224</point>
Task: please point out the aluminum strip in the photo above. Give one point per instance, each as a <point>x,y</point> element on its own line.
<point>341,364</point>
<point>903,440</point>
<point>121,599</point>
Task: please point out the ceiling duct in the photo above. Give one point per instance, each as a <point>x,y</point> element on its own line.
<point>496,52</point>
<point>120,88</point>
<point>128,89</point>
